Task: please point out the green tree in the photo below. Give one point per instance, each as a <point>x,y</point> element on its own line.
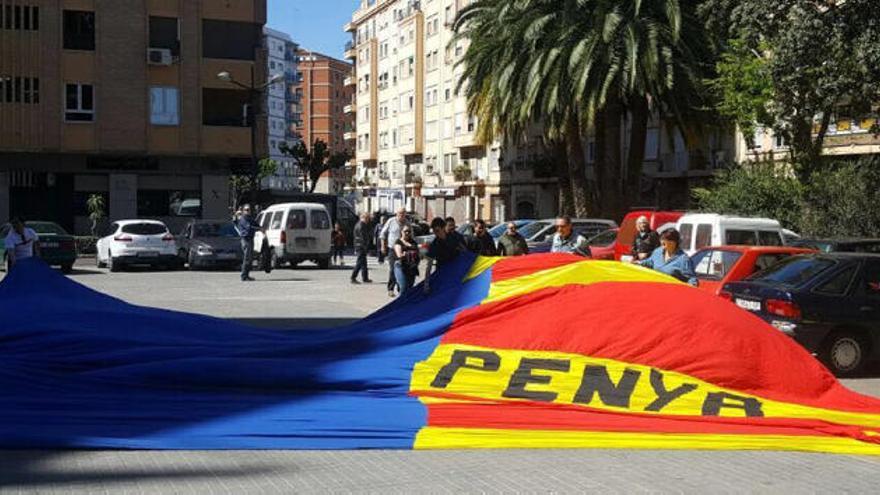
<point>245,185</point>
<point>844,200</point>
<point>568,66</point>
<point>314,162</point>
<point>822,58</point>
<point>97,211</point>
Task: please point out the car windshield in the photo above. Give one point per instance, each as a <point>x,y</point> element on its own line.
<point>533,229</point>
<point>794,271</point>
<point>604,239</point>
<point>144,229</point>
<point>45,228</point>
<point>217,229</point>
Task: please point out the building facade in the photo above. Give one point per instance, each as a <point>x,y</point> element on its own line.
<point>416,143</point>
<point>324,90</point>
<point>122,99</point>
<point>280,109</point>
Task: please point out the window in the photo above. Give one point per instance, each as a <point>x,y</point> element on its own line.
<point>704,236</point>
<point>765,261</point>
<point>838,284</point>
<point>164,106</point>
<point>19,90</point>
<point>741,238</point>
<point>225,107</point>
<point>714,265</point>
<point>144,229</point>
<point>79,103</point>
<point>320,220</point>
<point>230,40</point>
<point>769,238</point>
<point>79,30</point>
<point>687,231</point>
<point>164,33</point>
<point>160,203</point>
<point>264,220</point>
<point>296,219</point>
<point>20,17</point>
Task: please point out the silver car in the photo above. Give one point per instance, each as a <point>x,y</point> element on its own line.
<point>209,243</point>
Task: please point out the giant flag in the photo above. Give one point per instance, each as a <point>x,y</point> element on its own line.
<point>546,351</point>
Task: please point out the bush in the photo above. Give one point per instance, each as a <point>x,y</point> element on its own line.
<point>841,200</point>
<point>755,190</point>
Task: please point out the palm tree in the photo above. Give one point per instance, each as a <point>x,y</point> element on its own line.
<point>576,65</point>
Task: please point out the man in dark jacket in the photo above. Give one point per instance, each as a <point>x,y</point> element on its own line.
<point>246,228</point>
<point>482,243</point>
<point>363,234</point>
<point>646,240</point>
<point>512,243</point>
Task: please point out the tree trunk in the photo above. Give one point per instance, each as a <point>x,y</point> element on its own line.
<point>577,169</point>
<point>566,201</point>
<point>639,113</point>
<point>612,185</point>
<point>600,164</point>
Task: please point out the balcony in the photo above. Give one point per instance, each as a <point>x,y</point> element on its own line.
<point>350,51</point>
<point>350,108</point>
<point>350,136</point>
<point>349,27</point>
<point>349,81</point>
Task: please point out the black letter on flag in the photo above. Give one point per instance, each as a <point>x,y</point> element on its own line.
<point>596,380</point>
<point>491,362</point>
<point>516,389</point>
<point>716,400</point>
<point>664,397</point>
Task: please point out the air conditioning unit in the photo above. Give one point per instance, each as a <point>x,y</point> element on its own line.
<point>159,56</point>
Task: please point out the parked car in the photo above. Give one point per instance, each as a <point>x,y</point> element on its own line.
<point>602,244</point>
<point>840,245</point>
<point>209,243</point>
<point>540,232</point>
<point>137,242</point>
<point>716,266</point>
<point>701,230</point>
<point>295,232</point>
<point>829,303</point>
<point>467,229</point>
<point>588,232</point>
<point>57,247</point>
<point>658,220</point>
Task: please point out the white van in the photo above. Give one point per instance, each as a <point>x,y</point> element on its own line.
<point>700,230</point>
<point>296,232</point>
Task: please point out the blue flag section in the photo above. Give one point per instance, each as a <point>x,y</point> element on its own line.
<point>84,370</point>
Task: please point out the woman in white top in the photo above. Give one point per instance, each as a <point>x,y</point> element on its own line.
<point>21,243</point>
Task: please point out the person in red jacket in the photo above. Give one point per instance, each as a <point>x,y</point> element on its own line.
<point>338,239</point>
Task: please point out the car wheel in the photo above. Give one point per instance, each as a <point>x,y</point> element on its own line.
<point>98,262</point>
<point>274,260</point>
<point>845,353</point>
<point>112,264</point>
<point>324,263</point>
<point>67,268</point>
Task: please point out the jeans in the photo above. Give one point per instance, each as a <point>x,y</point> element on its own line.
<point>392,263</point>
<point>247,258</point>
<point>405,281</point>
<point>338,254</point>
<point>360,265</point>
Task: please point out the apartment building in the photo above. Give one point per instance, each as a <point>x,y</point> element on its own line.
<point>281,109</point>
<point>122,99</point>
<point>324,91</point>
<point>416,143</point>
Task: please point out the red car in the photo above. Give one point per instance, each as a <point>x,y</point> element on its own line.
<point>602,245</point>
<point>657,220</point>
<point>716,266</point>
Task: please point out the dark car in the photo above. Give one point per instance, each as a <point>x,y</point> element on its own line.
<point>57,247</point>
<point>839,245</point>
<point>829,303</point>
<point>207,243</point>
<point>587,230</point>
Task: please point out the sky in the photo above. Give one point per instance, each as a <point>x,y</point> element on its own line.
<point>314,24</point>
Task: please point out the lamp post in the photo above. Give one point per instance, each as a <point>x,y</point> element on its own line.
<point>255,94</point>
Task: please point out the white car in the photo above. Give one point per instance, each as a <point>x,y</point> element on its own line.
<point>700,230</point>
<point>295,232</point>
<point>137,242</point>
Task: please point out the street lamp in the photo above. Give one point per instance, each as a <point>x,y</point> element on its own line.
<point>255,94</point>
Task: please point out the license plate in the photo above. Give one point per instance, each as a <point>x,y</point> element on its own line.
<point>749,305</point>
<point>49,244</point>
<point>148,254</point>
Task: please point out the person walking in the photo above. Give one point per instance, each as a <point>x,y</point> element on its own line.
<point>565,241</point>
<point>645,241</point>
<point>407,258</point>
<point>339,241</point>
<point>247,228</point>
<point>21,243</point>
<point>391,232</point>
<point>377,236</point>
<point>482,243</point>
<point>670,259</point>
<point>443,249</point>
<point>363,234</point>
<point>512,243</point>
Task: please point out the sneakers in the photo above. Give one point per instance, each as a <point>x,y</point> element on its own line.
<point>247,279</point>
<point>391,293</point>
<point>355,282</point>
<point>368,281</point>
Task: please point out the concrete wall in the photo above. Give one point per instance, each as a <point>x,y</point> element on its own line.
<point>123,196</point>
<point>215,197</point>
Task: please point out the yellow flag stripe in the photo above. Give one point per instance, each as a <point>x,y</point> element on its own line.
<point>472,438</point>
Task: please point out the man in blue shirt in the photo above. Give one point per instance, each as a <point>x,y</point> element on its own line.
<point>566,241</point>
<point>247,228</point>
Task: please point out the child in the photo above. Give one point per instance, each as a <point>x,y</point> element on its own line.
<point>338,241</point>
